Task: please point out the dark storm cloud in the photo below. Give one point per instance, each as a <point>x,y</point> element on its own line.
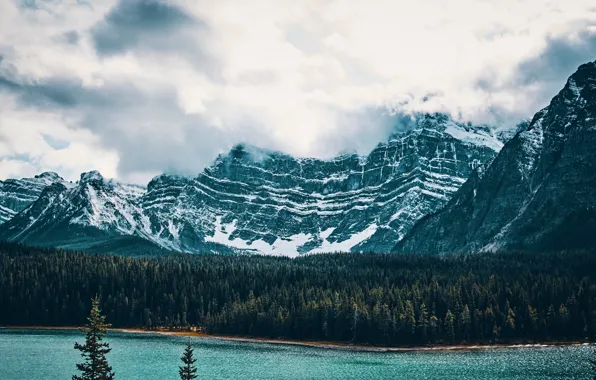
<point>549,70</point>
<point>139,24</point>
<point>143,126</point>
<point>560,59</point>
<point>155,29</point>
<point>56,92</point>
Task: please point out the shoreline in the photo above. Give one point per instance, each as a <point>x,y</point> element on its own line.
<point>318,344</point>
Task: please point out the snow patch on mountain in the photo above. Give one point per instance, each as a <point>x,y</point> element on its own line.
<point>18,194</point>
<point>473,137</point>
<point>280,247</point>
<point>345,245</point>
<point>259,201</point>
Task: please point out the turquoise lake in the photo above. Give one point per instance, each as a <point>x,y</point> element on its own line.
<point>49,354</point>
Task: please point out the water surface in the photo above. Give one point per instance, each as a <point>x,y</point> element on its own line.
<point>49,354</point>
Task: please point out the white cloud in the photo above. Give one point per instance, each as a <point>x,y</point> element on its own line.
<point>301,76</point>
<point>28,145</point>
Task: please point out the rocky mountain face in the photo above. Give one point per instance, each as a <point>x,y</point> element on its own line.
<point>85,215</point>
<point>537,194</point>
<point>17,194</point>
<point>253,200</point>
<point>269,202</point>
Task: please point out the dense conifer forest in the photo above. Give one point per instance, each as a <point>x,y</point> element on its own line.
<point>377,299</point>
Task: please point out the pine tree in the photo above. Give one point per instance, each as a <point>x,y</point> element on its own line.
<point>510,323</point>
<point>450,326</point>
<point>423,324</point>
<point>188,371</point>
<point>94,351</point>
<point>465,321</point>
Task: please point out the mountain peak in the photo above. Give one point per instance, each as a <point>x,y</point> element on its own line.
<point>244,151</point>
<point>18,194</point>
<point>587,66</point>
<point>583,82</point>
<point>168,179</point>
<point>260,200</point>
<point>536,195</point>
<point>466,132</point>
<point>92,176</point>
<point>50,176</point>
<point>54,188</point>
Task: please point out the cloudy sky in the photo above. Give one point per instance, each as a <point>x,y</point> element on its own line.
<point>137,87</point>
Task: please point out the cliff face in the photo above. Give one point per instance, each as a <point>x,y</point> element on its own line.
<point>268,202</point>
<point>537,194</point>
<point>17,194</point>
<point>85,215</point>
<point>253,200</point>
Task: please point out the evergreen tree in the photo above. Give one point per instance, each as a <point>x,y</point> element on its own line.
<point>510,322</point>
<point>450,326</point>
<point>465,320</point>
<point>360,298</point>
<point>188,371</point>
<point>423,323</point>
<point>95,366</point>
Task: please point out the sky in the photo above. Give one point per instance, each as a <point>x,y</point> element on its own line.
<point>134,88</point>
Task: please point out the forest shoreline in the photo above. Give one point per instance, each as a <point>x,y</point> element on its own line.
<point>318,344</point>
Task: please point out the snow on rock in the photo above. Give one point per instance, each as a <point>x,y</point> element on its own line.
<point>260,201</point>
<point>17,194</point>
<point>346,245</point>
<point>536,195</point>
<point>280,247</point>
<point>473,137</point>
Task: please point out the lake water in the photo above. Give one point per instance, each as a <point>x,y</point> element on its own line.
<point>49,354</point>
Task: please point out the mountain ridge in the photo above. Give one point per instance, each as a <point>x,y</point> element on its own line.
<point>261,201</point>
<point>17,194</point>
<point>536,194</point>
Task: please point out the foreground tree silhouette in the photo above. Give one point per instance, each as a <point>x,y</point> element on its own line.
<point>188,371</point>
<point>95,366</point>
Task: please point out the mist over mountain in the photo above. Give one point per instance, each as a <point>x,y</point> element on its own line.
<point>537,194</point>
<point>254,200</point>
<point>435,186</point>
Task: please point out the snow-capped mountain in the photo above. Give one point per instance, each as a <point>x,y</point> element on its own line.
<point>17,194</point>
<point>538,194</point>
<point>254,200</point>
<point>268,202</point>
<point>83,215</point>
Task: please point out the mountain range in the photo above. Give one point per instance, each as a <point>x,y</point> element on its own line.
<point>252,200</point>
<point>438,186</point>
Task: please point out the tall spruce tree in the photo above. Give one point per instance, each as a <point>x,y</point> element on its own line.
<point>187,370</point>
<point>95,365</point>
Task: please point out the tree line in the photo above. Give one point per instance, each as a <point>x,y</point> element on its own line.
<point>95,365</point>
<point>377,299</point>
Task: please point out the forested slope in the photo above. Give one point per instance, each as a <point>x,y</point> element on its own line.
<point>358,298</point>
